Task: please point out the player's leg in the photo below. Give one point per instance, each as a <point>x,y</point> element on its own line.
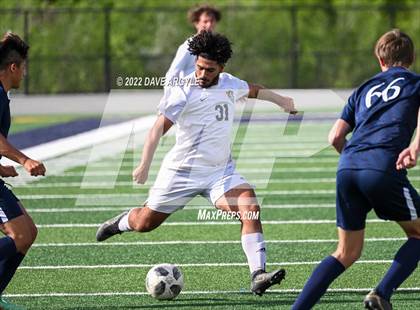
<point>20,232</point>
<point>241,199</point>
<point>169,194</point>
<point>142,219</point>
<point>351,207</point>
<point>349,248</point>
<point>137,219</point>
<point>396,200</point>
<point>405,261</point>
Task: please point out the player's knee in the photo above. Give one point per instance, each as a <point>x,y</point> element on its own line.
<point>251,212</point>
<point>348,257</point>
<point>250,215</point>
<point>254,208</point>
<point>143,226</point>
<point>413,232</point>
<point>24,239</point>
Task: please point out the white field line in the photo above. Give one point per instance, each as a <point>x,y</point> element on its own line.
<point>199,242</point>
<point>107,197</point>
<point>134,185</point>
<point>106,294</point>
<point>264,150</point>
<point>253,148</point>
<point>197,223</point>
<point>187,208</point>
<point>106,164</point>
<point>306,152</point>
<point>116,172</point>
<point>125,172</point>
<point>123,266</point>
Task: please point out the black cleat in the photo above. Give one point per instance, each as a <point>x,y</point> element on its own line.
<point>373,301</point>
<point>262,280</point>
<point>109,228</point>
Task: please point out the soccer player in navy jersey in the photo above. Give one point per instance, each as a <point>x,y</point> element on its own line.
<point>18,227</point>
<point>382,115</point>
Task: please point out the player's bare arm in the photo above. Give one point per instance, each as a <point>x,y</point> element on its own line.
<point>338,133</point>
<point>161,126</point>
<point>408,157</point>
<point>34,168</point>
<point>262,93</point>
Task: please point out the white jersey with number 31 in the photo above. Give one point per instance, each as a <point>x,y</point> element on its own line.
<point>204,119</point>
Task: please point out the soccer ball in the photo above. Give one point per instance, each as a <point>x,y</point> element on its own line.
<point>164,281</point>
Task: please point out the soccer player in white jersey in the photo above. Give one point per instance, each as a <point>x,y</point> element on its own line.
<point>203,17</point>
<point>200,163</point>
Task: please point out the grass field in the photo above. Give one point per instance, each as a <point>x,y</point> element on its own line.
<point>67,269</point>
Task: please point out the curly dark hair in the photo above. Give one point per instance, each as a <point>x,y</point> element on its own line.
<point>212,46</point>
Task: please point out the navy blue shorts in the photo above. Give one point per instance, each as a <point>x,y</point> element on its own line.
<point>9,207</point>
<point>392,197</point>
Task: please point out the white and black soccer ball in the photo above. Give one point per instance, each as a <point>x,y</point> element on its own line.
<point>164,281</point>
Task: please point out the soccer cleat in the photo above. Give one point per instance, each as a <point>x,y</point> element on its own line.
<point>109,228</point>
<point>375,302</point>
<point>262,280</point>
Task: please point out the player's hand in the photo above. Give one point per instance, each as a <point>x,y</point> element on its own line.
<point>408,158</point>
<point>35,168</point>
<point>140,174</point>
<point>289,105</point>
<point>8,171</point>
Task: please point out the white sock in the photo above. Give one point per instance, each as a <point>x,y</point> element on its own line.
<point>254,248</point>
<point>123,224</point>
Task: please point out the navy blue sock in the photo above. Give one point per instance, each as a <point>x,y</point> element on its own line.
<point>405,262</point>
<point>9,268</point>
<point>7,249</point>
<point>323,275</point>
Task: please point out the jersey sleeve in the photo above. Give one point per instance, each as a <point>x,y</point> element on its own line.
<point>242,90</point>
<point>179,63</point>
<point>348,113</point>
<point>172,104</point>
<point>239,87</point>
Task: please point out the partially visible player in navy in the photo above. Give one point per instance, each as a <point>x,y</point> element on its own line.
<point>382,115</point>
<point>18,227</point>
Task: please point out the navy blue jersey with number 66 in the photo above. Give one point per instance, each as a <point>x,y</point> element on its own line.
<point>382,113</point>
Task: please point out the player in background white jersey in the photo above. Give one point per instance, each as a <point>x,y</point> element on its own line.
<point>200,162</point>
<point>202,17</point>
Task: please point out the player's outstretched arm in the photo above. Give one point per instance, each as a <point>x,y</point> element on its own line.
<point>160,127</point>
<point>261,93</point>
<point>35,168</point>
<point>338,133</point>
<point>408,157</point>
